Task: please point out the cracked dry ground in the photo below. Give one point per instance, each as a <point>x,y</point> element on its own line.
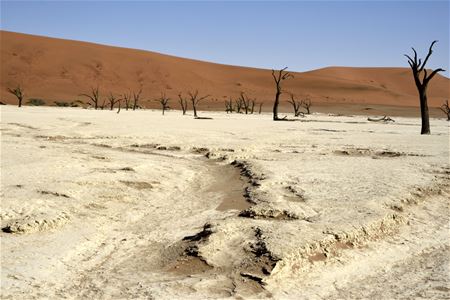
<point>99,205</point>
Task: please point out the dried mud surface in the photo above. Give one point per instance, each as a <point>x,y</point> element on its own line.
<point>139,205</point>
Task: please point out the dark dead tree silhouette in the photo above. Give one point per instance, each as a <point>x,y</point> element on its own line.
<point>260,108</point>
<point>296,104</point>
<point>279,78</point>
<point>229,106</point>
<point>245,102</point>
<point>18,92</point>
<point>127,98</point>
<point>384,119</point>
<point>306,104</point>
<point>417,67</point>
<point>446,109</point>
<point>164,101</point>
<point>112,101</point>
<point>238,103</point>
<point>195,99</point>
<point>136,97</point>
<point>103,104</point>
<point>94,97</point>
<point>183,103</point>
<point>252,105</point>
<point>120,104</point>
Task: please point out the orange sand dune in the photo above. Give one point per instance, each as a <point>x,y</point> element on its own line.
<point>59,70</point>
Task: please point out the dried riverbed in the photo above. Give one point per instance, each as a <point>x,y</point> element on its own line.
<point>100,205</point>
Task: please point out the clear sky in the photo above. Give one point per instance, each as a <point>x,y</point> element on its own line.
<point>302,35</point>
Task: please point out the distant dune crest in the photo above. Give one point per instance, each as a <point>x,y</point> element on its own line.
<point>59,70</point>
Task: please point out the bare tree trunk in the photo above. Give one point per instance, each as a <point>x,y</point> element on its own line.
<point>306,103</point>
<point>163,100</point>
<point>282,75</point>
<point>275,105</point>
<point>136,97</point>
<point>229,106</point>
<point>260,108</point>
<point>20,100</point>
<point>94,98</point>
<point>446,109</point>
<point>195,100</point>
<point>417,67</point>
<point>18,92</point>
<point>118,110</point>
<point>112,100</point>
<point>183,103</point>
<point>238,105</point>
<point>184,107</point>
<point>245,101</point>
<point>195,109</point>
<point>295,104</point>
<point>424,112</point>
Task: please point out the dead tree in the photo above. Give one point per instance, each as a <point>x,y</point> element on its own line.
<point>136,97</point>
<point>163,100</point>
<point>252,106</point>
<point>278,78</point>
<point>306,104</point>
<point>384,119</point>
<point>94,97</point>
<point>112,101</point>
<point>127,98</point>
<point>195,99</point>
<point>183,103</point>
<point>245,102</point>
<point>18,92</point>
<point>229,106</point>
<point>238,105</point>
<point>260,108</point>
<point>296,104</point>
<point>119,100</point>
<point>446,109</point>
<point>417,67</point>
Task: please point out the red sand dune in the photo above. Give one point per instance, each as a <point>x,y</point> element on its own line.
<point>59,70</point>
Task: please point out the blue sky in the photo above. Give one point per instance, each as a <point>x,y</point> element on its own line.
<point>302,35</point>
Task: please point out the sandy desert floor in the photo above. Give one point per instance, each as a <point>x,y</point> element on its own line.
<point>102,205</point>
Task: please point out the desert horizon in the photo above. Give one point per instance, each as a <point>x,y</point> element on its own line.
<point>57,70</point>
<point>133,174</point>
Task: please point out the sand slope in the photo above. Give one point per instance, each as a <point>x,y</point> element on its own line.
<point>57,69</point>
